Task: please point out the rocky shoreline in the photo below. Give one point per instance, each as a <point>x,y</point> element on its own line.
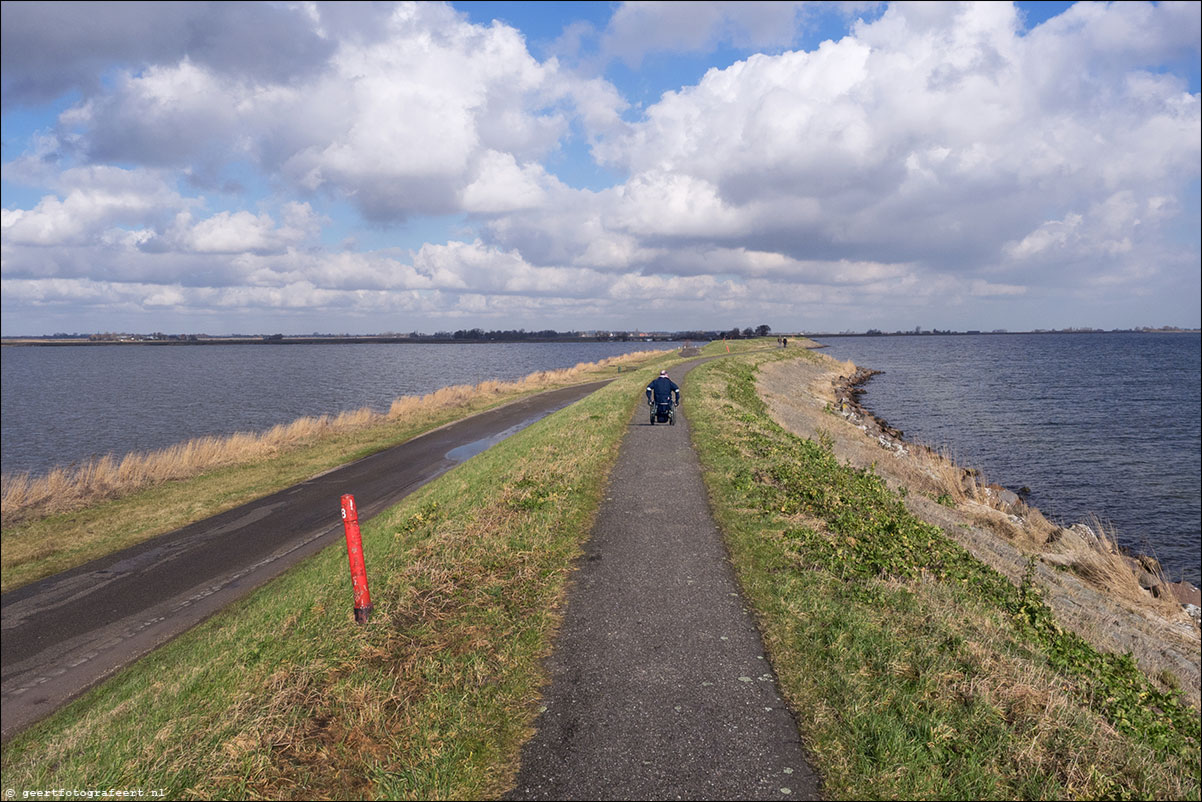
<point>848,392</point>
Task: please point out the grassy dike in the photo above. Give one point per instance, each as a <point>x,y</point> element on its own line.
<point>281,696</point>
<point>915,670</point>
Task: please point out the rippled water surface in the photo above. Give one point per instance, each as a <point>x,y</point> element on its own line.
<point>1101,424</point>
<point>65,404</point>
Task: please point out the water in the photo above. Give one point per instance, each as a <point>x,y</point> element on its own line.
<point>468,450</point>
<point>62,405</point>
<point>1097,424</point>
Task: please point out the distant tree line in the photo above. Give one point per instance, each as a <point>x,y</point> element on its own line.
<point>506,334</point>
<point>746,334</point>
<point>762,330</point>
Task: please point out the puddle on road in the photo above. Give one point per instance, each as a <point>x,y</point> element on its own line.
<point>469,450</point>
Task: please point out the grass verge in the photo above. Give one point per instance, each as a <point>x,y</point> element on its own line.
<point>108,509</point>
<point>915,670</point>
<point>281,696</point>
<point>722,347</point>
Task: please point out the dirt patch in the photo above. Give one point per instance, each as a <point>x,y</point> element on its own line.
<point>1089,585</point>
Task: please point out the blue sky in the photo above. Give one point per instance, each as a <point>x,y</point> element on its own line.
<point>348,167</point>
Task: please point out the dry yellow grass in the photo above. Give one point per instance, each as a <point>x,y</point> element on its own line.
<point>1092,554</point>
<point>24,496</point>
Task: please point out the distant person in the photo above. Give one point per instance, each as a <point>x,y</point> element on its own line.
<point>784,342</point>
<point>661,390</point>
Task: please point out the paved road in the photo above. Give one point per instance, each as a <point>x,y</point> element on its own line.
<point>67,632</point>
<point>660,687</point>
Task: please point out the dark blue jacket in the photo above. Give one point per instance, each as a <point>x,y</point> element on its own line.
<point>662,389</point>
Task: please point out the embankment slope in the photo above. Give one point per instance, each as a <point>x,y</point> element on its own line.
<point>1115,615</point>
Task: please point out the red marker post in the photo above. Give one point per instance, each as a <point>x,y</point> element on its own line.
<point>354,552</point>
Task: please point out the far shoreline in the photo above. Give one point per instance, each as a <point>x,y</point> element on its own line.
<point>30,342</point>
<point>650,337</point>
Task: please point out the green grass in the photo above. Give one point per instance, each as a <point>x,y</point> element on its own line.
<point>722,347</point>
<point>282,696</point>
<point>917,671</point>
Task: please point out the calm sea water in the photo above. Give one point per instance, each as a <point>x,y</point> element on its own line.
<point>65,404</point>
<point>1101,424</point>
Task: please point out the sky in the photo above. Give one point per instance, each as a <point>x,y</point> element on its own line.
<point>298,167</point>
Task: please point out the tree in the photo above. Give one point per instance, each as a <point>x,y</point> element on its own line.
<point>763,330</point>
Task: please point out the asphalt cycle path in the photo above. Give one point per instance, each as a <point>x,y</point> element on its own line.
<point>660,688</point>
<point>65,633</point>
